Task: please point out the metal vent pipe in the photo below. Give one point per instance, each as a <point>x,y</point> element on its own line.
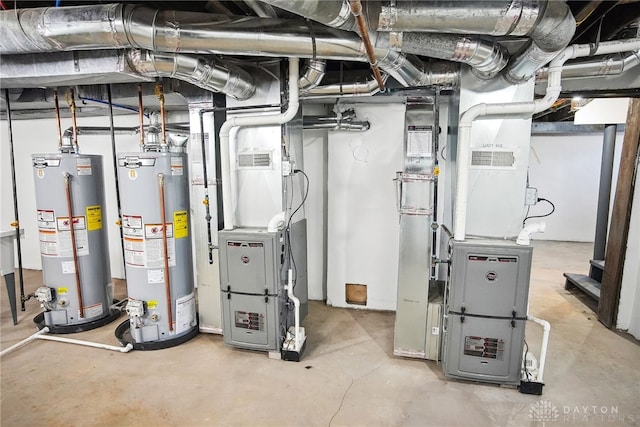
<point>120,26</point>
<point>313,75</point>
<point>602,67</point>
<point>204,73</point>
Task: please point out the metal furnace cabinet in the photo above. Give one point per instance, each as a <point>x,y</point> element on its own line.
<point>253,271</point>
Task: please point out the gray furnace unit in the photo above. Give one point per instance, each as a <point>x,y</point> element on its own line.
<point>253,272</point>
<point>486,311</point>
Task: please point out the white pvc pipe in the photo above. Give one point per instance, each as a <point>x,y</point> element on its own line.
<point>42,335</point>
<point>296,303</point>
<point>125,349</point>
<point>524,238</point>
<point>516,110</point>
<point>276,222</point>
<point>24,341</point>
<point>235,121</point>
<point>545,341</point>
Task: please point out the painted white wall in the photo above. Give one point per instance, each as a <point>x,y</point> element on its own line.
<point>566,170</point>
<point>362,218</point>
<point>40,136</point>
<point>629,307</point>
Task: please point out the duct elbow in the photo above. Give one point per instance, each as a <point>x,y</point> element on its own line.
<point>524,238</point>
<point>553,33</point>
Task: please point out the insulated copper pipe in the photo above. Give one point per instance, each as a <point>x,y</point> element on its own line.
<point>167,276</point>
<point>356,11</point>
<point>141,115</point>
<point>160,95</point>
<point>72,104</point>
<point>57,108</point>
<point>67,183</point>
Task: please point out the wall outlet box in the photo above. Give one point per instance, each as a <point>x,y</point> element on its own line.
<point>530,196</point>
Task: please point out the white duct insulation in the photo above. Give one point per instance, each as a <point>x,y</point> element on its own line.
<point>247,121</point>
<point>516,110</point>
<point>545,342</point>
<point>42,335</point>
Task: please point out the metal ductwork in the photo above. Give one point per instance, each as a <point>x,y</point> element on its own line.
<point>333,13</point>
<point>313,74</point>
<point>368,87</point>
<point>495,18</point>
<point>112,66</point>
<point>603,67</point>
<point>201,72</point>
<point>435,74</point>
<point>124,26</point>
<point>486,57</point>
<point>346,120</point>
<point>549,37</point>
<point>549,24</point>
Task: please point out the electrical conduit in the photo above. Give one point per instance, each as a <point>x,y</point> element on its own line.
<point>247,121</point>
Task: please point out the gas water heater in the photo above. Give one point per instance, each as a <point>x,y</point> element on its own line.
<point>154,192</point>
<point>77,292</point>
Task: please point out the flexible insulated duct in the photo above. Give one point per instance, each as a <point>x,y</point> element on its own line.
<point>123,26</point>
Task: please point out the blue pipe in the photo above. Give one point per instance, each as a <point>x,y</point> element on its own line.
<point>100,101</point>
<point>58,2</point>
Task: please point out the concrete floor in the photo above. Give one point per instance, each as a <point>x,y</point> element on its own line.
<point>347,377</point>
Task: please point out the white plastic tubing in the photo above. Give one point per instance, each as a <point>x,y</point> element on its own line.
<point>518,110</point>
<point>296,304</point>
<point>245,121</point>
<point>545,342</point>
<point>42,335</point>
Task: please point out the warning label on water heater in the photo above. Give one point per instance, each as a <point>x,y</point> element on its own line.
<point>144,243</point>
<point>55,235</point>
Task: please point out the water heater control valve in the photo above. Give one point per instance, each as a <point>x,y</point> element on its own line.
<point>135,308</point>
<point>45,294</point>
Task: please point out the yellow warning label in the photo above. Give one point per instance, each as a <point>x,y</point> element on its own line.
<point>63,291</point>
<point>152,304</point>
<point>94,218</point>
<point>436,171</point>
<point>180,224</point>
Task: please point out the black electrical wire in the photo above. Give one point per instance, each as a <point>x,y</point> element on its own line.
<point>288,233</point>
<point>540,199</point>
<point>526,352</point>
